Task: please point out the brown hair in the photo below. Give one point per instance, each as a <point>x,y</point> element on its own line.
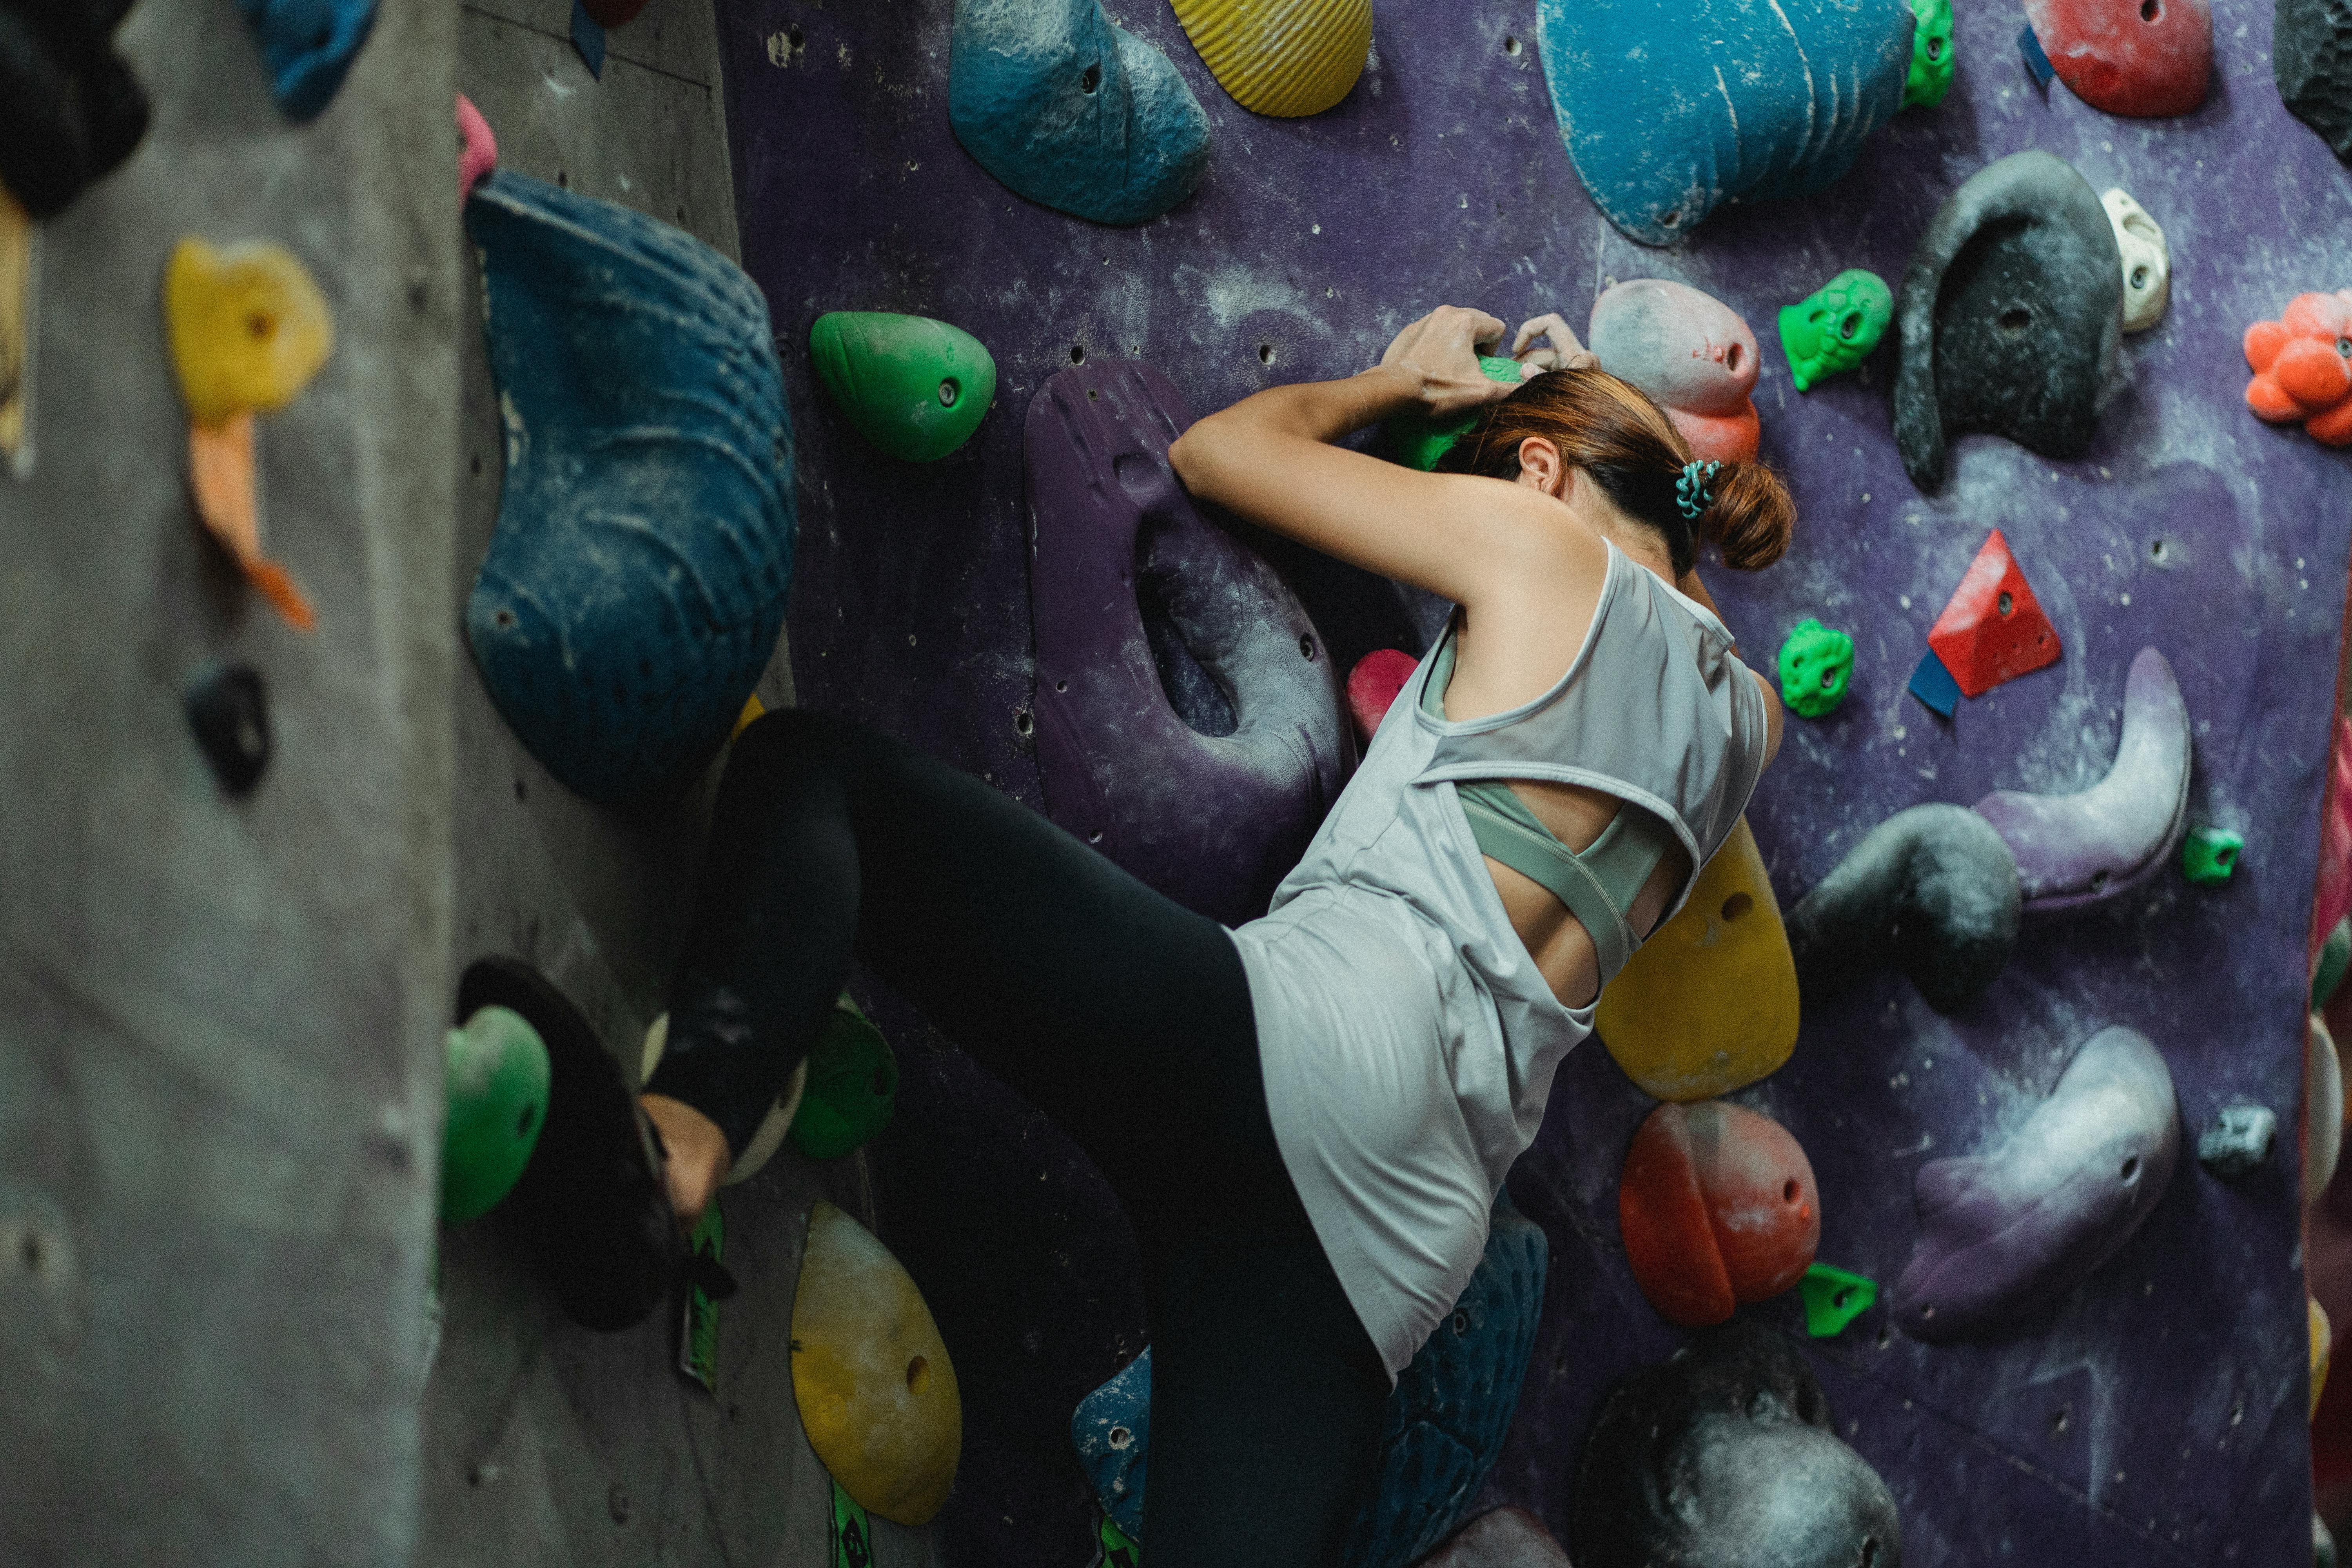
<point>1631,451</point>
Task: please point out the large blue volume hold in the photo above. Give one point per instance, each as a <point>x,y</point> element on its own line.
<point>1444,1426</point>
<point>307,46</point>
<point>1072,111</point>
<point>1672,108</point>
<point>635,587</point>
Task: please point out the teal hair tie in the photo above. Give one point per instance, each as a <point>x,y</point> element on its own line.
<point>1692,491</point>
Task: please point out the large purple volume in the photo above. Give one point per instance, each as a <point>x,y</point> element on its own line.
<point>1116,551</point>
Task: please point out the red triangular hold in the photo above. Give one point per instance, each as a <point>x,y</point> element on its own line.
<point>1994,630</point>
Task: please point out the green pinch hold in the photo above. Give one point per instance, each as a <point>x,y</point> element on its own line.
<point>1415,442</point>
<point>698,1339</point>
<point>915,387</point>
<point>2209,854</point>
<point>853,1082</point>
<point>1832,330</point>
<point>1816,664</point>
<point>496,1082</point>
<point>853,1533</point>
<point>2327,970</point>
<point>1930,75</point>
<point>1833,1299</point>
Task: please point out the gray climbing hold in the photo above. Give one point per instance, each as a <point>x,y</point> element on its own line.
<point>2237,1141</point>
<point>1931,890</point>
<point>2311,57</point>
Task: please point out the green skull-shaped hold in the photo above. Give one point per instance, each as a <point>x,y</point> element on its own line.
<point>1930,75</point>
<point>1816,662</point>
<point>1833,328</point>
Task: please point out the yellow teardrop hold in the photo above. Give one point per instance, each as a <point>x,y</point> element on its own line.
<point>248,327</point>
<point>1710,1002</point>
<point>1285,57</point>
<point>876,1392</point>
<point>2322,1341</point>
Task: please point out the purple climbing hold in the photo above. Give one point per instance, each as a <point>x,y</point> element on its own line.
<point>1187,717</point>
<point>2007,1235</point>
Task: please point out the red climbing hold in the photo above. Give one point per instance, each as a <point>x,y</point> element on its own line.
<point>2303,366</point>
<point>1716,1206</point>
<point>1994,630</point>
<point>2141,57</point>
<point>1373,685</point>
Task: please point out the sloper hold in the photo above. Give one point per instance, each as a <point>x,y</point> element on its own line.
<point>1500,1538</point>
<point>876,1392</point>
<point>635,587</point>
<point>497,1078</point>
<point>1124,574</point>
<point>1932,890</point>
<point>308,46</point>
<point>70,111</point>
<point>2004,1236</point>
<point>2302,375</point>
<point>1442,1431</point>
<point>1993,628</point>
<point>1071,111</point>
<point>1725,1455</point>
<point>1691,353</point>
<point>1372,688</point>
<point>1284,57</point>
<point>2011,312</point>
<point>2145,58</point>
<point>2323,1108</point>
<point>1708,1003</point>
<point>1717,1207</point>
<point>1671,109</point>
<point>2075,849</point>
<point>915,387</point>
<point>2311,59</point>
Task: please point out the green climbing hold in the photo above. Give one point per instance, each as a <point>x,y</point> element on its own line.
<point>2210,854</point>
<point>1930,75</point>
<point>1816,663</point>
<point>1833,1299</point>
<point>1118,1550</point>
<point>697,1339</point>
<point>496,1086</point>
<point>1832,330</point>
<point>915,387</point>
<point>1418,444</point>
<point>2327,970</point>
<point>853,1533</point>
<point>852,1081</point>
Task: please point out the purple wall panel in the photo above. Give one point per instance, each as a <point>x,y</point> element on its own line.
<point>2158,1415</point>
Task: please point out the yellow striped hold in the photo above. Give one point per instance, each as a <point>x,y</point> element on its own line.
<point>1282,57</point>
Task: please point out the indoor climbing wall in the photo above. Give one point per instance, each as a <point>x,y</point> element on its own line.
<point>2154,1414</point>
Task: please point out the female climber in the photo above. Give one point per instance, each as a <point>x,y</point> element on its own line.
<point>1308,1119</point>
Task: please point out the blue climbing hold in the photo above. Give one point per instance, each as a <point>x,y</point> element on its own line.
<point>2037,62</point>
<point>1672,108</point>
<point>635,586</point>
<point>1933,684</point>
<point>588,39</point>
<point>1072,111</point>
<point>1444,1426</point>
<point>307,46</point>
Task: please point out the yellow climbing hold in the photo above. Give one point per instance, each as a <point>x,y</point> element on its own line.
<point>877,1395</point>
<point>752,709</point>
<point>1285,57</point>
<point>1710,1002</point>
<point>2322,1341</point>
<point>248,328</point>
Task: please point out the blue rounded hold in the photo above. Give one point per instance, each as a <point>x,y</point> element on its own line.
<point>1445,1423</point>
<point>307,46</point>
<point>635,586</point>
<point>1672,108</point>
<point>1072,113</point>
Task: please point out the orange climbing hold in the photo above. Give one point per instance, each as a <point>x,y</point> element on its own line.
<point>1994,630</point>
<point>1716,1206</point>
<point>2303,366</point>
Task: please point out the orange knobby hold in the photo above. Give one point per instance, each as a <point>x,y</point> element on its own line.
<point>2303,366</point>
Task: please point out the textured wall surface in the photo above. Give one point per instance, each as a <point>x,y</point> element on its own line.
<point>2158,1415</point>
<point>220,1045</point>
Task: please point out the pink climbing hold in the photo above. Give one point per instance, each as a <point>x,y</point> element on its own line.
<point>477,152</point>
<point>2144,59</point>
<point>1373,685</point>
<point>1691,353</point>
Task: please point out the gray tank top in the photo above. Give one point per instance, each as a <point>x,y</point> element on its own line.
<point>1409,1041</point>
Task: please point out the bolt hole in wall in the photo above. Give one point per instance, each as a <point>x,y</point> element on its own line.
<point>1021,721</point>
<point>1737,906</point>
<point>1077,354</point>
<point>1511,46</point>
<point>1306,647</point>
<point>2156,549</point>
<point>1265,354</point>
<point>918,1374</point>
<point>1091,79</point>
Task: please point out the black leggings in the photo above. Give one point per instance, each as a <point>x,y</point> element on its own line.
<point>1122,1014</point>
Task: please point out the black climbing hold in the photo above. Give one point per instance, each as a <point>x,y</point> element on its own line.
<point>229,712</point>
<point>2237,1141</point>
<point>1931,890</point>
<point>69,109</point>
<point>1723,1456</point>
<point>2311,55</point>
<point>2011,312</point>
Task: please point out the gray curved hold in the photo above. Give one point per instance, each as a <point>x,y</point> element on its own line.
<point>2004,1236</point>
<point>2074,849</point>
<point>1932,890</point>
